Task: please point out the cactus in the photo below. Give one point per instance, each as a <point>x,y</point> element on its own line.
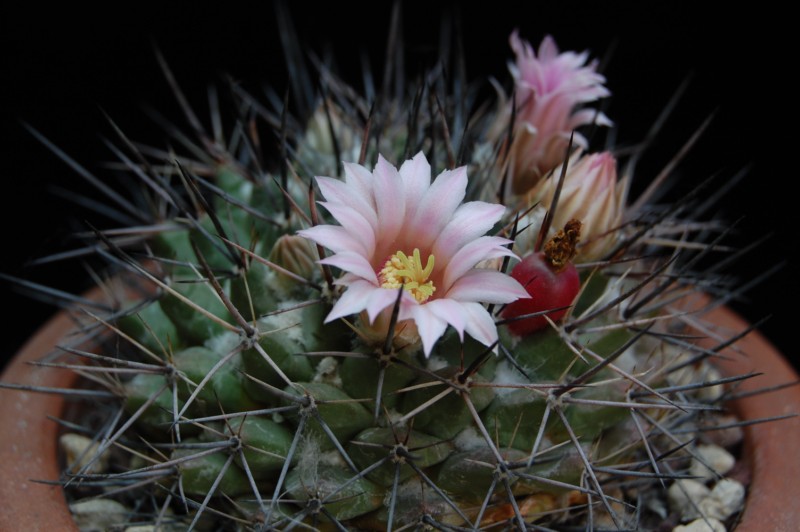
<point>352,368</point>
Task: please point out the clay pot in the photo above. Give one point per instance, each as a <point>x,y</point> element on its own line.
<point>29,448</point>
<point>29,445</point>
<point>773,448</point>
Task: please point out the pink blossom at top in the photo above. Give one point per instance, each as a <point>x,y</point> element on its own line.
<point>550,89</point>
<point>400,228</point>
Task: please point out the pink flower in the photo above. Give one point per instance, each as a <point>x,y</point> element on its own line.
<point>550,90</point>
<point>397,228</point>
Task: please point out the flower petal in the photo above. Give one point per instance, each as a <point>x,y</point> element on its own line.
<point>389,199</point>
<point>356,225</point>
<point>336,191</point>
<point>333,237</point>
<point>470,254</point>
<point>470,221</point>
<point>480,324</point>
<point>353,262</point>
<point>416,175</point>
<point>352,300</point>
<point>359,182</point>
<point>429,326</point>
<point>382,298</point>
<point>437,207</point>
<point>450,311</point>
<point>488,286</point>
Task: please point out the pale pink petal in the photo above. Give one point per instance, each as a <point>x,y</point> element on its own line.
<point>389,199</point>
<point>429,326</point>
<point>336,191</point>
<point>381,298</point>
<point>548,49</point>
<point>353,262</point>
<point>488,286</point>
<point>450,311</point>
<point>519,46</point>
<point>352,300</point>
<point>437,207</point>
<point>470,254</point>
<point>590,116</point>
<point>470,221</point>
<point>333,237</point>
<point>416,174</point>
<point>480,324</point>
<point>347,278</point>
<point>359,228</point>
<point>359,180</point>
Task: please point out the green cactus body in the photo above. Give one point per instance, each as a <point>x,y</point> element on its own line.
<point>397,448</point>
<point>248,292</point>
<point>224,392</point>
<point>329,409</point>
<point>266,444</point>
<point>333,487</point>
<point>192,325</point>
<point>141,389</point>
<point>449,415</point>
<point>199,474</point>
<point>153,329</point>
<point>421,428</point>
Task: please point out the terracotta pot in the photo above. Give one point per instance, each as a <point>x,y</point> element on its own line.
<point>29,449</point>
<point>29,446</point>
<point>773,448</point>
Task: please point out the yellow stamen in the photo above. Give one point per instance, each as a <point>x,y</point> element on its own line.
<point>400,270</point>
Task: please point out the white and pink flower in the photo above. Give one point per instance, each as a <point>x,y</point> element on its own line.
<point>550,91</point>
<point>400,229</point>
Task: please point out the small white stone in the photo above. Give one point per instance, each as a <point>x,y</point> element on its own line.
<point>701,525</point>
<point>711,393</point>
<point>171,527</point>
<point>715,457</point>
<point>726,438</point>
<point>152,528</point>
<point>98,514</point>
<point>685,496</point>
<point>725,499</point>
<point>80,450</point>
<point>656,504</point>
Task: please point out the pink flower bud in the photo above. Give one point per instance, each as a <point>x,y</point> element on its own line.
<point>590,194</point>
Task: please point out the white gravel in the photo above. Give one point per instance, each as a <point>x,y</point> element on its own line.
<point>711,456</point>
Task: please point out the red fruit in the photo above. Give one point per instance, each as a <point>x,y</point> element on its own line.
<point>549,288</point>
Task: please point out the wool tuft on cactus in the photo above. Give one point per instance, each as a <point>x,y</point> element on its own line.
<point>421,314</point>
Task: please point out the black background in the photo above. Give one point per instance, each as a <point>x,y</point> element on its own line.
<point>62,70</point>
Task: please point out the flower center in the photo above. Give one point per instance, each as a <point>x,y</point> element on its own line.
<point>402,270</point>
